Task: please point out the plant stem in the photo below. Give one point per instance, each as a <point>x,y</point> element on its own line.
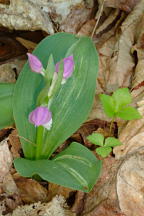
<point>111,125</point>
<point>39,142</point>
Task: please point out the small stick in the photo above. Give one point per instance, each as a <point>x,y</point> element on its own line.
<point>96,24</point>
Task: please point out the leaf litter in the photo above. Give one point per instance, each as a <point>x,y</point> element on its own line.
<point>119,39</point>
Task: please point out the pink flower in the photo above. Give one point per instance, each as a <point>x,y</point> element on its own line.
<point>35,64</point>
<point>41,116</point>
<point>68,67</point>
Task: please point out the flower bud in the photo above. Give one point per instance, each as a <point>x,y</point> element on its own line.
<point>68,67</point>
<point>35,64</point>
<point>41,116</point>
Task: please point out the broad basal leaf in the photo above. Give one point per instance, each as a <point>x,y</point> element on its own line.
<point>71,105</point>
<point>76,168</point>
<point>6,112</point>
<point>29,84</point>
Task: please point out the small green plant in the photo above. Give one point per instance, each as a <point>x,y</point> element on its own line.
<point>115,106</point>
<point>105,144</point>
<point>118,105</point>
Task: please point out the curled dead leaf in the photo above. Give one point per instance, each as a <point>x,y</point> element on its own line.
<point>130,184</point>
<point>30,190</point>
<point>5,159</point>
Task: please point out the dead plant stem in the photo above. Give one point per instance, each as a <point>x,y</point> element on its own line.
<point>98,19</point>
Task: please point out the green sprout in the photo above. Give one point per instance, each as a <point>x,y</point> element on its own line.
<point>118,105</point>
<point>105,144</point>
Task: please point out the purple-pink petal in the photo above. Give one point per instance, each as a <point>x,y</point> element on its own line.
<point>34,63</point>
<point>40,116</point>
<point>68,67</point>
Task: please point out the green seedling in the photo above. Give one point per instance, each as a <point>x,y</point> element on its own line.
<point>118,105</point>
<point>105,144</point>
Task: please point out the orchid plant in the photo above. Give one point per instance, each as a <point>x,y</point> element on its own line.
<point>50,100</point>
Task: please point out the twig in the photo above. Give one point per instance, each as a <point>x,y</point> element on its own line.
<point>97,22</point>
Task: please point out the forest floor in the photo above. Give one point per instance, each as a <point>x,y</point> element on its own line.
<point>117,29</point>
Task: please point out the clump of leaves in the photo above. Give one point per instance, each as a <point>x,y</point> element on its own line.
<point>105,144</point>
<point>118,105</point>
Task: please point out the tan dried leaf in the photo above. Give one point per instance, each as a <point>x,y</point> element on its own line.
<point>9,71</point>
<point>30,190</point>
<point>5,159</point>
<point>15,144</point>
<point>126,5</point>
<point>131,136</point>
<point>130,185</point>
<point>29,45</point>
<point>104,190</point>
<point>7,2</point>
<point>138,79</point>
<point>54,189</point>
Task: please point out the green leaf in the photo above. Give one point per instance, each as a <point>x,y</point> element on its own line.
<point>57,84</point>
<point>103,151</point>
<point>129,113</point>
<point>122,97</point>
<point>76,168</point>
<point>68,108</point>
<point>50,69</point>
<point>49,72</point>
<point>108,105</point>
<point>96,138</point>
<point>6,111</point>
<point>111,142</point>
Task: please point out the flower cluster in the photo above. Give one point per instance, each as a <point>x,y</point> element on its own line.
<point>42,115</point>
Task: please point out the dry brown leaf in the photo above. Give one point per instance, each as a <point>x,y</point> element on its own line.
<point>15,144</point>
<point>131,135</point>
<point>9,47</point>
<point>87,28</point>
<point>7,2</point>
<point>106,208</point>
<point>120,67</point>
<point>9,71</point>
<point>138,80</point>
<point>30,191</point>
<point>103,190</point>
<point>78,205</point>
<point>54,189</point>
<point>9,186</point>
<point>116,63</point>
<point>5,159</point>
<point>126,5</point>
<point>130,185</point>
<point>29,45</point>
